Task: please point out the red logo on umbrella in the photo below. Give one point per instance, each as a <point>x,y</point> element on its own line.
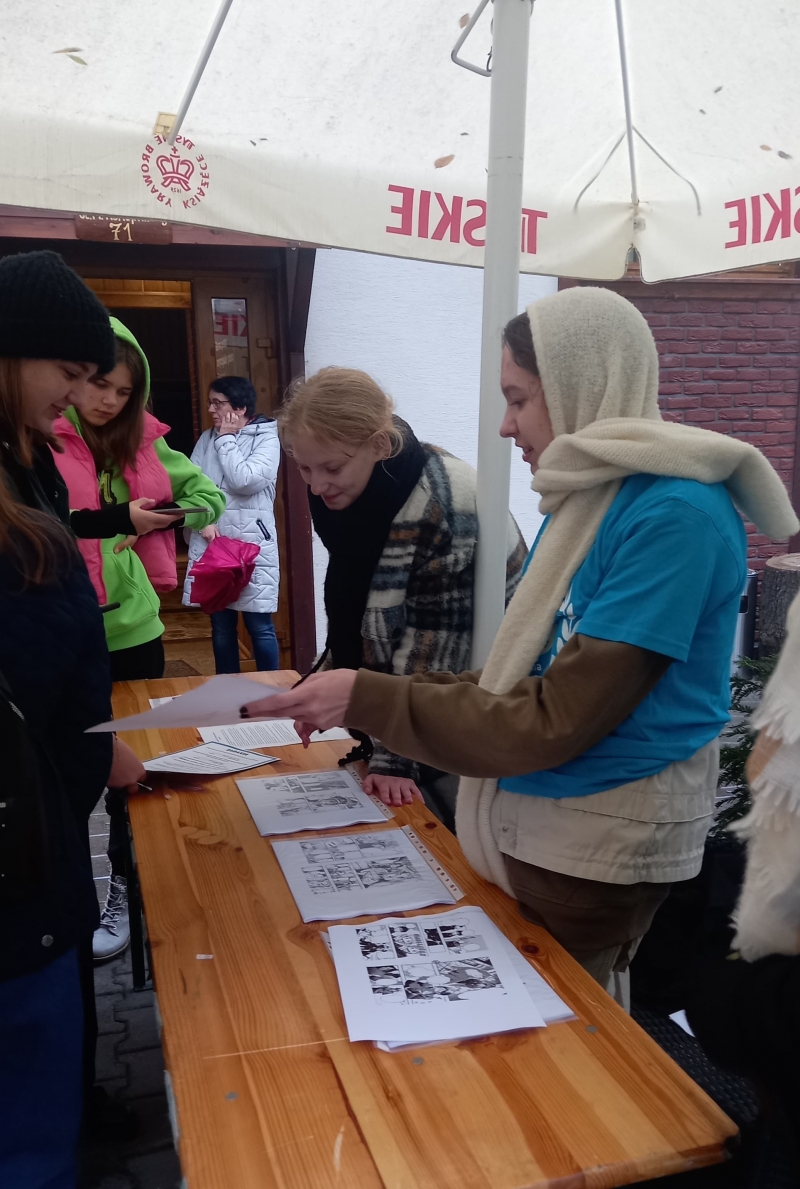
<point>176,171</point>
<point>180,177</point>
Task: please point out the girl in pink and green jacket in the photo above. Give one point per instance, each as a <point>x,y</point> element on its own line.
<point>117,466</point>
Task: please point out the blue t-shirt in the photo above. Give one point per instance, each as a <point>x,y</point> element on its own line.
<point>666,572</point>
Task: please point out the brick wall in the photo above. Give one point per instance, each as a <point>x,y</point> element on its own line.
<point>730,362</point>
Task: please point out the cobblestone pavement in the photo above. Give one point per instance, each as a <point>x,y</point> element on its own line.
<point>129,1065</point>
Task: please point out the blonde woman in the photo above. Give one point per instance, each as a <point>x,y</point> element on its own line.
<point>398,519</point>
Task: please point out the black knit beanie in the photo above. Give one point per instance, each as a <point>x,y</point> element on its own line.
<point>47,312</point>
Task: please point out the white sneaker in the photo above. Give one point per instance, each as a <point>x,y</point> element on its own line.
<point>115,931</point>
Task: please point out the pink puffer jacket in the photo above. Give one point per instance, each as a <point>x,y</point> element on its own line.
<point>148,479</point>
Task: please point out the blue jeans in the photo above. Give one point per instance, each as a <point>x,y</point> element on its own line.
<point>41,1098</point>
<point>225,641</point>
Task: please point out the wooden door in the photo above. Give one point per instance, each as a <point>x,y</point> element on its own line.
<point>235,328</point>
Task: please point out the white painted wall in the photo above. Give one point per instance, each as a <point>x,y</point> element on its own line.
<point>415,327</point>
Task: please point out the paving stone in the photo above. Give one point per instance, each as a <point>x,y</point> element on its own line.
<point>157,1170</point>
<point>142,1031</point>
<point>155,1128</point>
<point>131,1000</point>
<point>116,1082</point>
<point>105,982</point>
<point>145,1072</point>
<point>107,1021</point>
<point>100,864</point>
<point>107,1063</point>
<point>98,844</point>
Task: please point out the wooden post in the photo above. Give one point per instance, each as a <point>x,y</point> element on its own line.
<point>780,583</point>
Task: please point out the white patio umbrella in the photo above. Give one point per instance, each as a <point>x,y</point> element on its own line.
<point>665,127</point>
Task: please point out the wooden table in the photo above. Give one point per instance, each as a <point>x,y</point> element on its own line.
<point>271,1094</point>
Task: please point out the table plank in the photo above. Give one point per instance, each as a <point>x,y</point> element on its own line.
<point>592,1102</point>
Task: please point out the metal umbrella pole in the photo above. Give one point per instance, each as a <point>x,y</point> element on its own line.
<point>509,86</point>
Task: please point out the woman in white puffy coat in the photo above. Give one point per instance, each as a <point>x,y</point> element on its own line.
<point>241,454</point>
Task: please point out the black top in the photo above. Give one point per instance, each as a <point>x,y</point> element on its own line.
<point>54,658</point>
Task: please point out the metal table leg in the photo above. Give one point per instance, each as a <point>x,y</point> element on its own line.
<point>138,965</point>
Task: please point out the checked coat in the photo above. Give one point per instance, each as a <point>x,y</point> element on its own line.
<point>419,611</point>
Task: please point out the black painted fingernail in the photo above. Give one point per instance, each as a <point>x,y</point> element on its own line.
<point>244,712</point>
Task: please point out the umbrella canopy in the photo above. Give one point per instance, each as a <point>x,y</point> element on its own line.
<point>347,125</point>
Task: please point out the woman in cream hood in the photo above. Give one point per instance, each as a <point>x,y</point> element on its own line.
<point>588,745</point>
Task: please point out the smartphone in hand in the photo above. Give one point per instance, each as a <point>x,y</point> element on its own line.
<point>201,510</point>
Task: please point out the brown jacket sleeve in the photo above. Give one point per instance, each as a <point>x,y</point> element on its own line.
<point>445,720</point>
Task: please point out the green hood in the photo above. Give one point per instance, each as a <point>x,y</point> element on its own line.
<point>121,332</point>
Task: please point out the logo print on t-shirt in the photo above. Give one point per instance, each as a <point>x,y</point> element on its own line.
<point>565,625</point>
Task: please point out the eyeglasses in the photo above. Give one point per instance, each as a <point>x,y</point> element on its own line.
<point>218,404</point>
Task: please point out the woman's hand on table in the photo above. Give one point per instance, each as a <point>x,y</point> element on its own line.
<point>319,703</point>
<point>392,790</point>
<point>126,768</point>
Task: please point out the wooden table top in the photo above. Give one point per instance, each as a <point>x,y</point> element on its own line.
<point>271,1094</point>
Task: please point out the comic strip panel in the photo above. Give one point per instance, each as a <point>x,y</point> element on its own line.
<point>386,981</point>
<point>317,880</point>
<point>449,981</point>
<point>344,878</point>
<point>408,941</point>
<point>374,942</point>
<point>387,871</point>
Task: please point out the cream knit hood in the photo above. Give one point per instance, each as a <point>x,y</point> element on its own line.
<point>599,370</point>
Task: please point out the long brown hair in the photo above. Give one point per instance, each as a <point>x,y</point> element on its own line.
<point>36,542</point>
<point>119,441</point>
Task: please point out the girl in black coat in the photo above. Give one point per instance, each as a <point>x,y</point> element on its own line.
<point>54,684</point>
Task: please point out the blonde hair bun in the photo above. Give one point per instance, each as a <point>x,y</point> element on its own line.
<point>341,405</point>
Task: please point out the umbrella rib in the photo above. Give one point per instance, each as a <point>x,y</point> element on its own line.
<point>626,93</point>
<point>594,178</point>
<point>197,73</point>
<point>677,172</point>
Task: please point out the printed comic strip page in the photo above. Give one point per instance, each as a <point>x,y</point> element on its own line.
<point>308,801</point>
<point>429,978</point>
<point>354,875</point>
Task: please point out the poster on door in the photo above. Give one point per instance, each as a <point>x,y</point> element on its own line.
<point>230,336</point>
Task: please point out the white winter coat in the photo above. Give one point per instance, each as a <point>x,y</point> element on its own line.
<point>245,467</point>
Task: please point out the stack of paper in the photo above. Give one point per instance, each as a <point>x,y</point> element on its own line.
<point>422,980</point>
<point>353,875</point>
<point>308,801</point>
<point>210,759</point>
<point>277,732</point>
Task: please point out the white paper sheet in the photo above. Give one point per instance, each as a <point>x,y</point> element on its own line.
<point>352,875</point>
<point>276,732</point>
<point>215,703</point>
<point>307,801</point>
<point>161,701</point>
<point>426,979</point>
<point>210,759</point>
<point>552,1007</point>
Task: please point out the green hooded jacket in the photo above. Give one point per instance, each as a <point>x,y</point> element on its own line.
<point>121,577</point>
